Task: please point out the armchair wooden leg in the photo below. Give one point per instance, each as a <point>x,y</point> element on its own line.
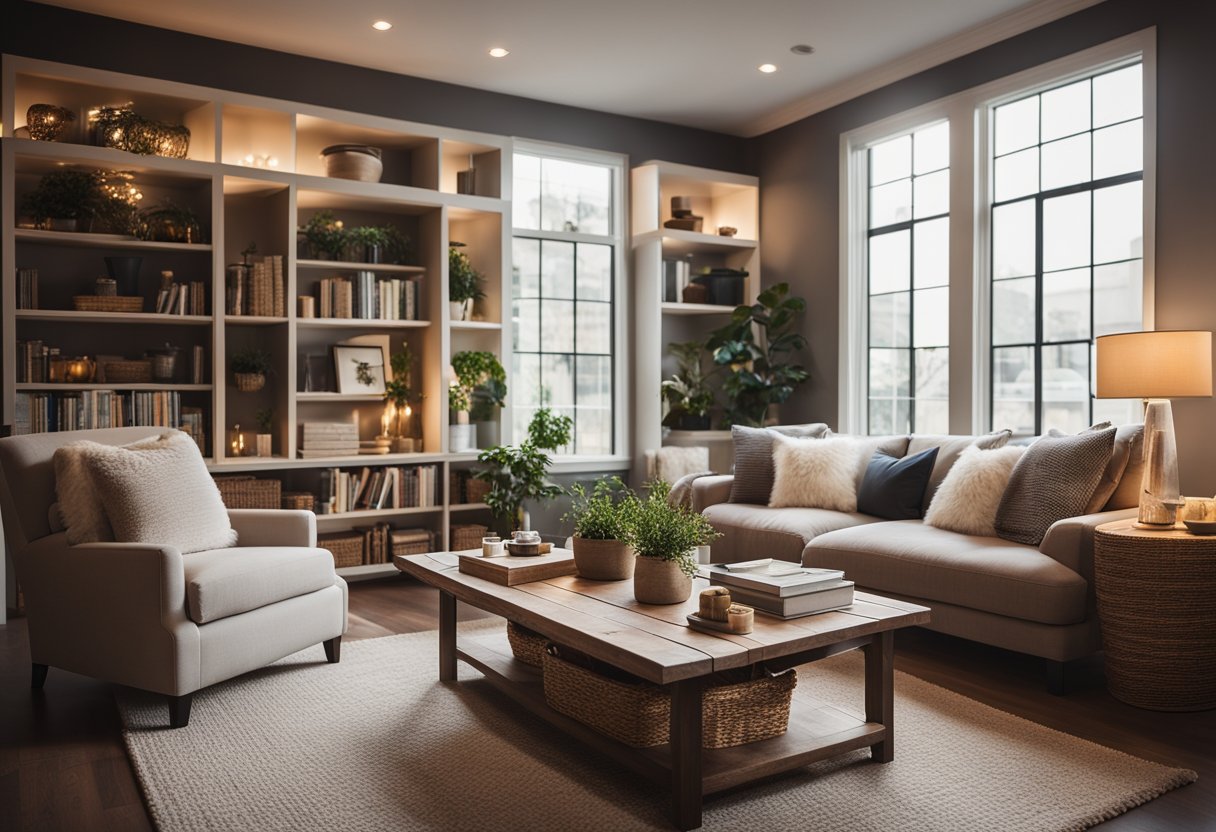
<point>179,710</point>
<point>1057,677</point>
<point>333,649</point>
<point>37,675</point>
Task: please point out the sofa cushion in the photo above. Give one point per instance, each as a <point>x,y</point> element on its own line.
<point>1127,489</point>
<point>224,582</point>
<point>968,498</point>
<point>949,447</point>
<point>814,473</point>
<point>983,573</point>
<point>867,446</point>
<point>753,469</point>
<point>750,532</point>
<point>894,488</point>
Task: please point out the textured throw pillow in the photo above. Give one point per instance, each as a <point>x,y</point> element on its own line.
<point>1053,480</point>
<point>1127,489</point>
<point>968,497</point>
<point>867,446</point>
<point>753,482</point>
<point>159,491</point>
<point>814,473</point>
<point>894,488</point>
<point>949,447</point>
<point>80,510</point>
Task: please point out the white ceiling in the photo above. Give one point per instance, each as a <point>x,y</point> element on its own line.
<point>689,62</point>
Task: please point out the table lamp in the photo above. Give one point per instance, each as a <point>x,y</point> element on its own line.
<point>1156,367</point>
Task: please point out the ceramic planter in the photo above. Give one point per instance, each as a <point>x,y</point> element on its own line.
<point>603,560</point>
<point>461,310</point>
<point>658,581</point>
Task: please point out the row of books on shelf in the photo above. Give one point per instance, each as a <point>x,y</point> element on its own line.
<point>379,488</point>
<point>256,288</point>
<point>27,288</point>
<point>34,361</point>
<point>182,299</point>
<point>91,409</point>
<point>780,588</point>
<point>368,297</point>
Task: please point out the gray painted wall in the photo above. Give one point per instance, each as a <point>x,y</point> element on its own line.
<point>799,177</point>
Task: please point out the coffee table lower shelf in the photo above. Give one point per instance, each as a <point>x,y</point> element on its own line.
<point>817,731</point>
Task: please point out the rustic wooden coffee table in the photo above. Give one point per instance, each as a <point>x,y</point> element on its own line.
<point>603,620</point>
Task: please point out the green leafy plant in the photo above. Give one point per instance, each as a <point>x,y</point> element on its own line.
<point>170,223</point>
<point>604,513</point>
<point>67,195</point>
<point>377,244</point>
<point>657,529</point>
<point>251,362</point>
<point>519,472</point>
<point>687,393</point>
<point>755,347</point>
<point>397,389</point>
<point>325,236</point>
<point>480,383</point>
<point>265,420</point>
<point>464,281</point>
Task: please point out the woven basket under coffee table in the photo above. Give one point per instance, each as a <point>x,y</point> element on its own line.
<point>1157,604</point>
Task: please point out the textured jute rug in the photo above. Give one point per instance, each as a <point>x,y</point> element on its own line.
<point>377,743</point>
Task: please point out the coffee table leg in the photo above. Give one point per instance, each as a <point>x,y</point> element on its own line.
<point>686,753</point>
<point>447,636</point>
<point>880,692</point>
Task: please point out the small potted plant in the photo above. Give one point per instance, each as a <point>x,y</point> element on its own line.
<point>601,518</point>
<point>479,384</point>
<point>398,397</point>
<point>665,538</point>
<point>519,472</point>
<point>688,394</point>
<point>65,200</point>
<point>324,237</point>
<point>249,369</point>
<point>464,283</point>
<point>265,435</point>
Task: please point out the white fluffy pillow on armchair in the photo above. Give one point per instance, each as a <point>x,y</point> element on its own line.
<point>815,473</point>
<point>80,511</point>
<point>967,500</point>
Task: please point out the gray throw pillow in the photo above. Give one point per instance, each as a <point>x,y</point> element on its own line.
<point>949,447</point>
<point>753,482</point>
<point>1127,490</point>
<point>1053,480</point>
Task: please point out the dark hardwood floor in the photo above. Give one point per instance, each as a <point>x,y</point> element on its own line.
<point>63,766</point>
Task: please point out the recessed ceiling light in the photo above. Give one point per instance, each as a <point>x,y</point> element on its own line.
<point>382,25</point>
<point>767,68</point>
<point>802,49</point>
<point>499,52</point>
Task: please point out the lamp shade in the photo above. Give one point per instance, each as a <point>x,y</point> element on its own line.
<point>1155,365</point>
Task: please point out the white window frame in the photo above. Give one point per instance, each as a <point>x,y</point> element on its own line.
<point>617,163</point>
<point>970,115</point>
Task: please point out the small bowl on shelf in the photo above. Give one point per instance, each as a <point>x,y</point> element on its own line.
<point>1200,526</point>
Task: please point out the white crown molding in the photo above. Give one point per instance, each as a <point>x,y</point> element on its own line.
<point>977,37</point>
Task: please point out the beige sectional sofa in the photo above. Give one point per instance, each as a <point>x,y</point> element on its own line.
<point>1035,600</point>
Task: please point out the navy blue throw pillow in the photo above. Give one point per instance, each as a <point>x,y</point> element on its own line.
<point>894,488</point>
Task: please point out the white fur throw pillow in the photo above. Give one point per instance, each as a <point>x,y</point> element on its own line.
<point>968,497</point>
<point>815,473</point>
<point>159,491</point>
<point>81,512</point>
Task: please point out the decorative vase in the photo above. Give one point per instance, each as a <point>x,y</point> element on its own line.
<point>462,438</point>
<point>460,310</point>
<point>125,272</point>
<point>63,224</point>
<point>603,560</point>
<point>250,382</point>
<point>657,581</point>
<point>265,443</point>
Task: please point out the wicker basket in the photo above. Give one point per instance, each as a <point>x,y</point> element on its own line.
<point>250,382</point>
<point>299,501</point>
<point>128,372</point>
<point>734,710</point>
<point>467,537</point>
<point>346,547</point>
<point>107,303</point>
<point>247,492</point>
<point>412,542</point>
<point>528,647</point>
<point>465,489</point>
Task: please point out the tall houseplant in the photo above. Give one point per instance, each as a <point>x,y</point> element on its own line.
<point>756,349</point>
<point>601,520</point>
<point>464,283</point>
<point>520,472</point>
<point>687,393</point>
<point>479,386</point>
<point>665,538</point>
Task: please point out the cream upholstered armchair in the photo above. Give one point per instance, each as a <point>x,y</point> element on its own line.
<point>147,616</point>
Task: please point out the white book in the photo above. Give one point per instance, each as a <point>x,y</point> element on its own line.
<point>798,582</point>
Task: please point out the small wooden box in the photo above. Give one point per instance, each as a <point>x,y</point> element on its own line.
<point>509,571</point>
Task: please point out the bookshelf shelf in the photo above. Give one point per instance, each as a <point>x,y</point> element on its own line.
<point>376,513</point>
<point>358,323</point>
<point>253,320</point>
<point>696,309</point>
<point>468,507</point>
<point>82,240</point>
<point>344,266</point>
<point>488,326</point>
<point>134,318</point>
<point>26,387</point>
<point>337,397</point>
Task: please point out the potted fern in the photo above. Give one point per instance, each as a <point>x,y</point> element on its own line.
<point>601,518</point>
<point>665,538</point>
<point>464,283</point>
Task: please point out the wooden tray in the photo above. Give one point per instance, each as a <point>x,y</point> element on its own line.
<point>708,626</point>
<point>512,571</point>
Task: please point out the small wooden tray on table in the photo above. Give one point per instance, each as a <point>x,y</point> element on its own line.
<point>510,571</point>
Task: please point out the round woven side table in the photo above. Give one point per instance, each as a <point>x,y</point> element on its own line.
<point>1157,605</point>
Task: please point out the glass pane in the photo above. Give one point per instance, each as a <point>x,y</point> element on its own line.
<point>576,197</point>
<point>1066,232</point>
<point>595,381</point>
<point>931,148</point>
<point>525,268</point>
<point>889,262</point>
<point>525,320</point>
<point>557,331</point>
<point>1066,305</point>
<point>521,417</point>
<point>1017,125</point>
<point>1118,298</point>
<point>932,391</point>
<point>931,194</point>
<point>557,269</point>
<point>891,203</point>
<point>1118,223</point>
<point>557,380</point>
<point>1013,311</point>
<point>1013,389</point>
<point>890,320</point>
<point>1066,387</point>
<point>932,416</point>
<point>1065,162</point>
<point>594,327</point>
<point>525,380</point>
<point>931,313</point>
<point>1013,241</point>
<point>1117,411</point>
<point>594,272</point>
<point>931,253</point>
<point>1118,95</point>
<point>1119,149</point>
<point>889,416</point>
<point>525,198</point>
<point>1065,110</point>
<point>889,373</point>
<point>592,431</point>
<point>891,160</point>
<point>1017,174</point>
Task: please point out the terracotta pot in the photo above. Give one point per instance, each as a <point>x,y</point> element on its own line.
<point>658,581</point>
<point>603,560</point>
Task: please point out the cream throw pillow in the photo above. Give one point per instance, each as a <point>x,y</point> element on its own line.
<point>159,491</point>
<point>815,473</point>
<point>80,509</point>
<point>968,497</point>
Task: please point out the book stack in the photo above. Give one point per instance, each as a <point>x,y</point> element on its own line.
<point>192,423</point>
<point>34,361</point>
<point>198,365</point>
<point>257,288</point>
<point>90,409</point>
<point>27,288</point>
<point>783,589</point>
<point>322,439</point>
<point>182,299</point>
<point>366,297</point>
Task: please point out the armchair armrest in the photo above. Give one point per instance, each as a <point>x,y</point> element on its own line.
<point>1071,541</point>
<point>708,491</point>
<point>272,527</point>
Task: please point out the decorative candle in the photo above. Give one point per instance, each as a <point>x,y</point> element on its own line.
<point>742,619</point>
<point>492,547</point>
<point>388,418</point>
<point>79,370</point>
<point>714,602</point>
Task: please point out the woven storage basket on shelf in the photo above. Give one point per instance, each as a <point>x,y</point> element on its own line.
<point>247,492</point>
<point>107,303</point>
<point>528,647</point>
<point>127,372</point>
<point>346,547</point>
<point>638,713</point>
<point>465,489</point>
<point>412,542</point>
<point>299,500</point>
<point>249,382</point>
<point>467,537</point>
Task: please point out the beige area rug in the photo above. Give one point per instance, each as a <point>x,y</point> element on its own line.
<point>377,743</point>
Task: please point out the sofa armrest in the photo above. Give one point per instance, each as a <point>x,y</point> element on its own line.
<point>1071,541</point>
<point>272,527</point>
<point>708,491</point>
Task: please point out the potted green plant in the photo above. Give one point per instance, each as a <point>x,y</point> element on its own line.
<point>601,518</point>
<point>249,369</point>
<point>464,283</point>
<point>399,395</point>
<point>65,200</point>
<point>519,472</point>
<point>755,348</point>
<point>665,538</point>
<point>687,393</point>
<point>265,435</point>
<point>479,384</point>
<point>325,238</point>
<point>170,223</point>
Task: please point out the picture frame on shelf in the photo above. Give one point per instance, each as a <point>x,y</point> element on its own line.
<point>359,370</point>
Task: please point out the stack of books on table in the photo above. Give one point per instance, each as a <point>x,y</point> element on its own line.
<point>783,589</point>
<point>321,439</point>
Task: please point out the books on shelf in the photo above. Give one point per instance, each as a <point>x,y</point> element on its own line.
<point>322,439</point>
<point>256,288</point>
<point>785,583</point>
<point>832,595</point>
<point>34,361</point>
<point>373,489</point>
<point>48,412</point>
<point>367,296</point>
<point>198,365</point>
<point>182,299</point>
<point>27,288</point>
